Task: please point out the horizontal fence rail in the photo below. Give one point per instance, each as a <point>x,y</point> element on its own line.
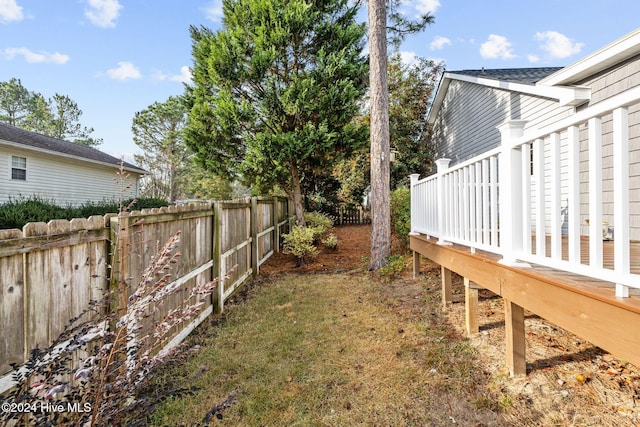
<point>566,196</point>
<point>49,272</point>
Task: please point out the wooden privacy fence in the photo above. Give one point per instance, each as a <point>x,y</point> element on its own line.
<point>50,272</point>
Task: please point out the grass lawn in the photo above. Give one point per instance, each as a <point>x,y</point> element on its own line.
<point>330,350</point>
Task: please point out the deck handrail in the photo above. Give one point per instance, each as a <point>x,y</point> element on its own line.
<point>509,200</point>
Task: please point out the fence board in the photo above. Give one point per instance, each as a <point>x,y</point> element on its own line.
<point>11,312</point>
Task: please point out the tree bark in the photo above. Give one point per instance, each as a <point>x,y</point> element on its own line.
<point>297,194</point>
<point>379,104</point>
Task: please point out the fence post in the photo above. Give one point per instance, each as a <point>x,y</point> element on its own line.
<point>120,262</point>
<point>276,227</point>
<point>253,219</point>
<point>511,198</point>
<point>442,165</point>
<point>217,255</point>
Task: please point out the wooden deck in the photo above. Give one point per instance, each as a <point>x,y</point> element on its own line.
<point>607,252</point>
<point>581,305</point>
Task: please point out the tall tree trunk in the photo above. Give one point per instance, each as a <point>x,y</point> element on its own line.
<point>172,183</point>
<point>380,191</point>
<point>297,194</point>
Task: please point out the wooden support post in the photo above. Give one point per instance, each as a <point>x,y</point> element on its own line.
<point>416,264</point>
<point>447,294</point>
<point>515,343</point>
<point>471,307</point>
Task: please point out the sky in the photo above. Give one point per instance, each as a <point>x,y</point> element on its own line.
<point>117,57</point>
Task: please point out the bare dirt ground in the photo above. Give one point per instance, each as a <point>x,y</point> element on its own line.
<point>569,382</point>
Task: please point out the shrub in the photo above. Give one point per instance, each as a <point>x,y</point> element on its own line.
<point>319,223</point>
<point>17,212</point>
<point>395,265</point>
<point>401,215</point>
<point>331,241</point>
<point>299,242</point>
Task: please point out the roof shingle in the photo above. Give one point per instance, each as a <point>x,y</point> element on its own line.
<point>35,140</point>
<point>516,75</point>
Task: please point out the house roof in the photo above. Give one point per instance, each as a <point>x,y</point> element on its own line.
<point>516,75</point>
<point>561,83</point>
<point>27,140</point>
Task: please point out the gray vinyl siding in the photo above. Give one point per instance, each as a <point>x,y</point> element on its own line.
<point>613,81</point>
<point>64,181</point>
<point>467,123</point>
<point>604,85</point>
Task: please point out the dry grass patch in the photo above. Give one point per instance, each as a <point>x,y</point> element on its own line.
<point>331,350</point>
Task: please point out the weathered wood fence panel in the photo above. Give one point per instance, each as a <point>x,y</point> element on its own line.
<point>345,215</point>
<point>50,272</point>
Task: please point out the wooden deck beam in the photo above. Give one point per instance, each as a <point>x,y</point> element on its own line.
<point>583,306</point>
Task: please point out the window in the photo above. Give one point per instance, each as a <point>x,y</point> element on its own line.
<point>19,168</point>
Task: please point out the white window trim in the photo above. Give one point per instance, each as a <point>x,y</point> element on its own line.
<point>11,167</point>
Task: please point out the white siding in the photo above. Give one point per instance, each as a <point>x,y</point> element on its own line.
<point>64,181</point>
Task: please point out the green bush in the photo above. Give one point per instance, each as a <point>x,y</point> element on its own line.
<point>331,241</point>
<point>17,212</point>
<point>319,223</point>
<point>395,265</point>
<point>401,215</point>
<point>299,242</point>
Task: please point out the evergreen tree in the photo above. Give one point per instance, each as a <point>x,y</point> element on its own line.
<point>158,131</point>
<point>276,90</point>
<point>411,88</point>
<point>58,117</point>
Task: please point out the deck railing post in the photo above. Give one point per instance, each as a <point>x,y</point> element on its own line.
<point>442,166</point>
<point>414,205</point>
<point>510,209</point>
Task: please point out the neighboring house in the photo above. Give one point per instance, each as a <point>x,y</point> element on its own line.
<point>32,164</point>
<point>536,195</point>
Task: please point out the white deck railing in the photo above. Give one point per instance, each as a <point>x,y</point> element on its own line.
<point>509,200</point>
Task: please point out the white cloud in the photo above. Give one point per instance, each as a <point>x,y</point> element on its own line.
<point>213,11</point>
<point>439,43</point>
<point>496,47</point>
<point>125,71</point>
<point>558,45</point>
<point>533,58</point>
<point>427,6</point>
<point>103,13</point>
<point>408,58</point>
<point>184,76</point>
<point>35,57</point>
<point>10,11</point>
